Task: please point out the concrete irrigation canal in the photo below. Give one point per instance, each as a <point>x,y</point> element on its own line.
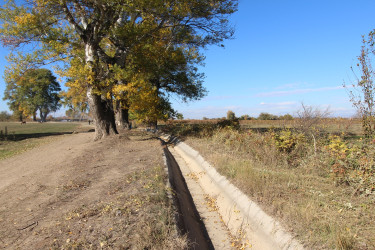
<point>212,212</point>
<point>189,221</point>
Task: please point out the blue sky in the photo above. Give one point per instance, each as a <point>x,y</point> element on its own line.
<point>284,53</point>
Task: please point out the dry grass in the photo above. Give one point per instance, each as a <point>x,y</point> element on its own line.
<point>298,187</point>
<point>330,125</point>
<point>137,214</point>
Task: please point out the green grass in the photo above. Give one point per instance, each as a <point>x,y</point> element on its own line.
<point>19,138</point>
<point>33,129</point>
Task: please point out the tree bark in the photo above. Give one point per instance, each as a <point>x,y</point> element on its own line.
<point>154,124</point>
<point>103,114</point>
<point>101,108</point>
<point>43,116</point>
<point>122,116</point>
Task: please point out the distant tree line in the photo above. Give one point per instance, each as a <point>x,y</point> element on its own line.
<point>5,116</point>
<point>262,116</point>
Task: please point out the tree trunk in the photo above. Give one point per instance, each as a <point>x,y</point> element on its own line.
<point>154,124</point>
<point>103,114</point>
<point>122,116</point>
<point>34,116</point>
<point>43,116</point>
<point>101,109</point>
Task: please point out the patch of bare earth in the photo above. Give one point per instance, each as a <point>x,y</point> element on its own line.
<point>80,194</point>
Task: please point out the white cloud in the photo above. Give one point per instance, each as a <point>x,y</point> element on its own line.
<point>278,104</point>
<point>215,98</point>
<point>296,91</point>
<point>293,85</point>
<point>209,111</point>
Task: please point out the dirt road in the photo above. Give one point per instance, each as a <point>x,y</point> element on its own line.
<point>74,192</point>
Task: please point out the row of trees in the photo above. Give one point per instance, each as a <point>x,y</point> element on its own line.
<point>262,116</point>
<point>5,116</point>
<point>117,55</point>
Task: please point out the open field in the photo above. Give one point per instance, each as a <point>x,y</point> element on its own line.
<point>73,193</point>
<point>18,131</point>
<point>321,188</point>
<point>16,138</point>
<point>333,125</point>
<point>330,125</point>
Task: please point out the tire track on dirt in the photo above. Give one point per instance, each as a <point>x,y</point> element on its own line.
<point>76,192</point>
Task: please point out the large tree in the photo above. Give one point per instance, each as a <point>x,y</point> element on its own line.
<point>168,71</point>
<point>106,31</point>
<point>36,90</point>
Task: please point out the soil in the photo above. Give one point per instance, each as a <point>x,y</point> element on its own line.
<point>76,193</point>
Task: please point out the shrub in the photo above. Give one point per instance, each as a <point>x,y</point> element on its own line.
<point>352,163</point>
<point>231,115</point>
<point>286,140</point>
<point>267,116</point>
<point>287,117</point>
<point>233,124</point>
<point>337,146</point>
<point>4,116</point>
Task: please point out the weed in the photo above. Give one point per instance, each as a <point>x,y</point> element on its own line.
<point>286,140</point>
<point>345,241</point>
<point>316,189</point>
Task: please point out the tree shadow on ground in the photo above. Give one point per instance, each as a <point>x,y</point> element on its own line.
<point>21,137</point>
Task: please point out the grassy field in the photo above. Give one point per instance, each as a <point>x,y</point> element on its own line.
<point>319,182</point>
<point>16,138</point>
<point>329,125</point>
<point>333,125</point>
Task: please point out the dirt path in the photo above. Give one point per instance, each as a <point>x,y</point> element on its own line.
<point>78,193</point>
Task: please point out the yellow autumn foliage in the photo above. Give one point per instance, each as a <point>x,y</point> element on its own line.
<point>144,101</point>
<point>25,19</point>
